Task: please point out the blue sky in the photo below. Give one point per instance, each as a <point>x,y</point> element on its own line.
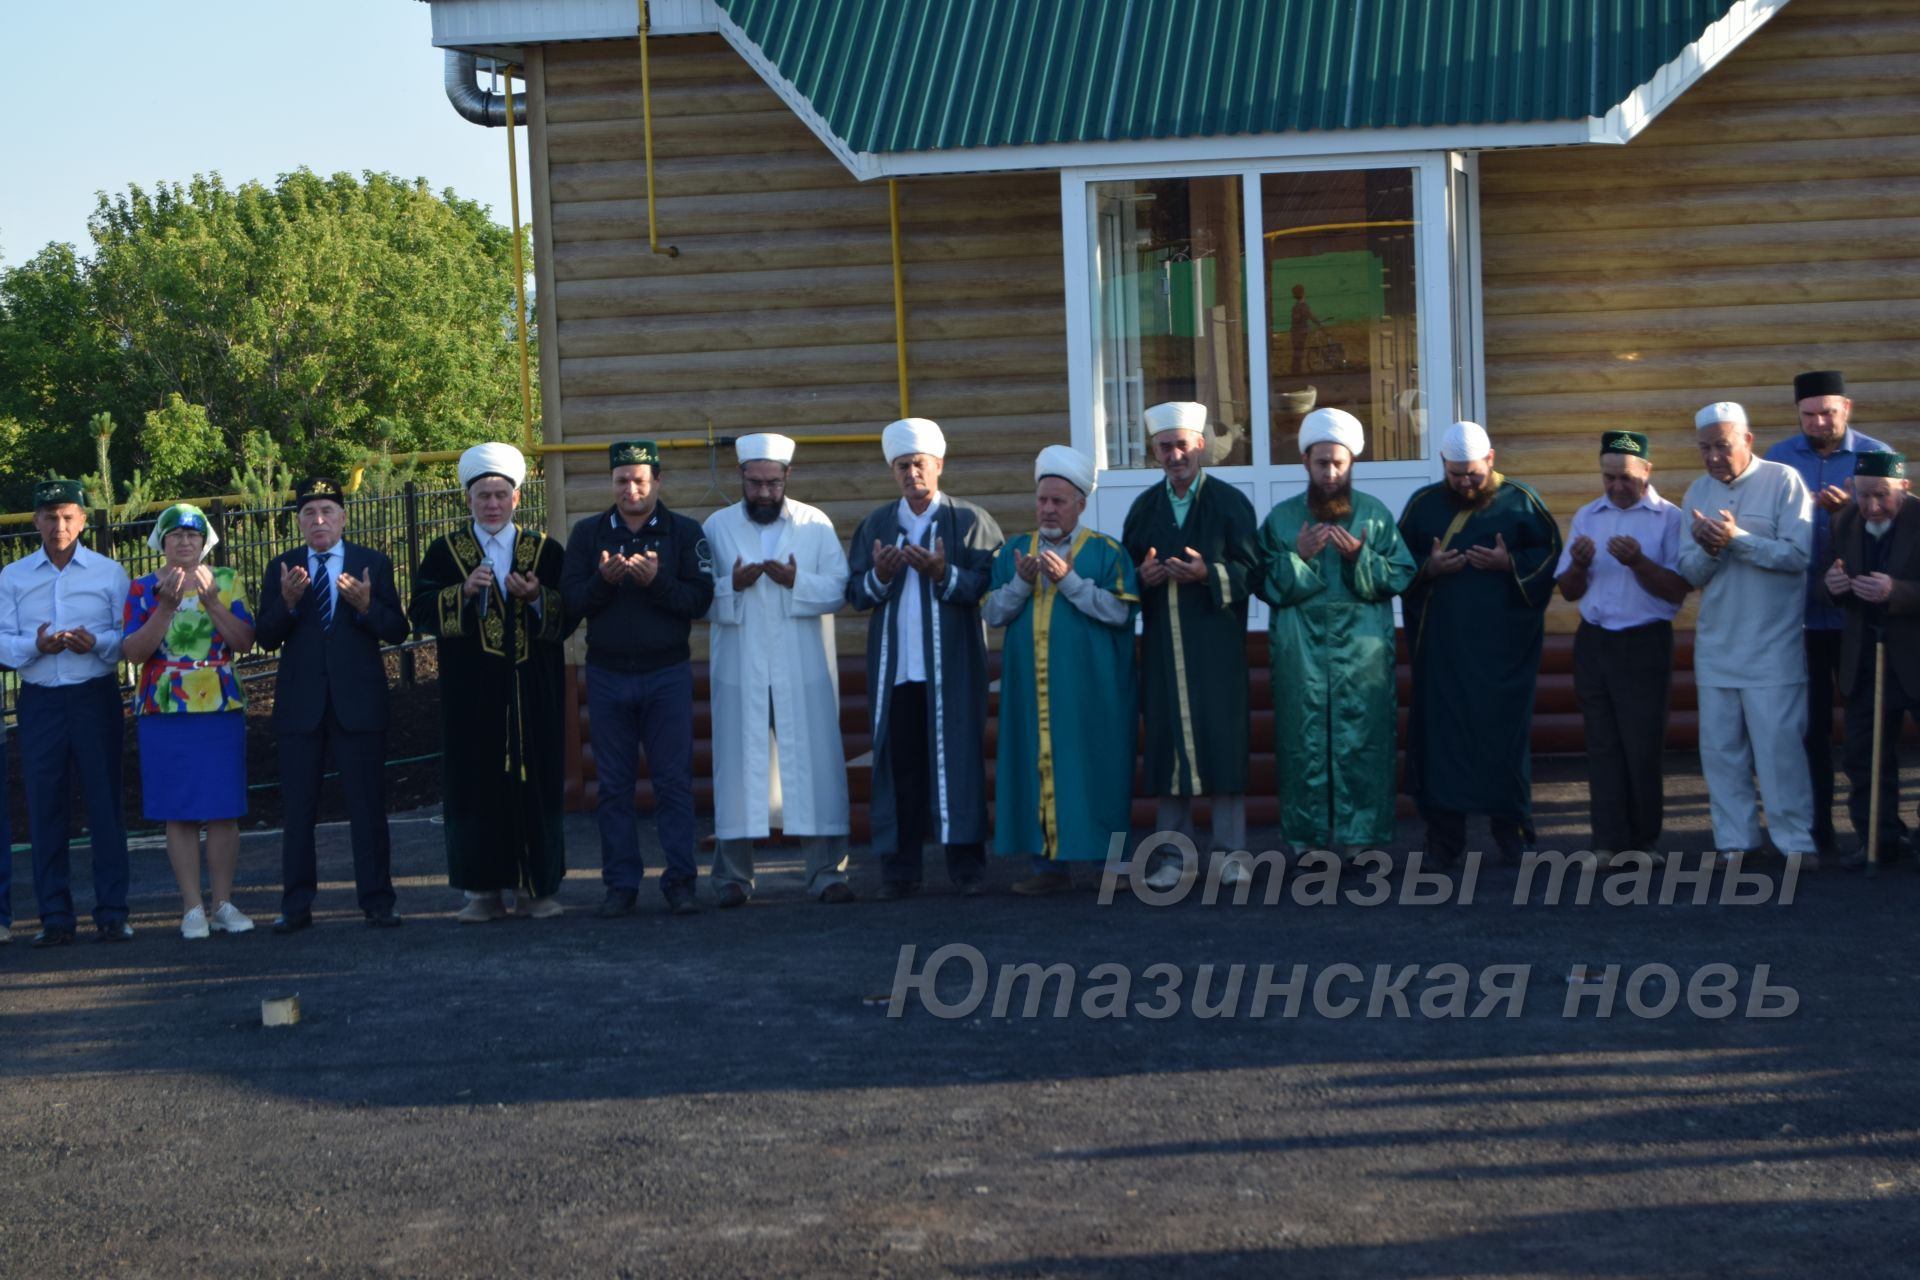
<point>110,92</point>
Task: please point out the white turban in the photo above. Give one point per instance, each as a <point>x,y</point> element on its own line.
<point>1465,442</point>
<point>1071,465</point>
<point>764,447</point>
<point>1719,411</point>
<point>913,435</point>
<point>492,460</point>
<point>1177,415</point>
<point>1336,425</point>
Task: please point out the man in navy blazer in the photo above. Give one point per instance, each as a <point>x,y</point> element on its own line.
<point>328,606</point>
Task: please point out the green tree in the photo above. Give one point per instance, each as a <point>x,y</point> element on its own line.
<point>329,313</point>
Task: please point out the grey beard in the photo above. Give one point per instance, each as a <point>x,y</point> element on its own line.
<point>1878,528</point>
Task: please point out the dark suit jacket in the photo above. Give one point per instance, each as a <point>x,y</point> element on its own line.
<point>342,662</point>
<point>1902,607</point>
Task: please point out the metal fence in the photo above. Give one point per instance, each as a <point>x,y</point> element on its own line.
<point>400,524</point>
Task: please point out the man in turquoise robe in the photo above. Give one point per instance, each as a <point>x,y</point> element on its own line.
<point>1067,597</point>
<point>1333,564</point>
<point>1486,547</point>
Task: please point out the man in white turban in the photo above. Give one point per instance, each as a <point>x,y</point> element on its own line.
<point>779,575</point>
<point>1748,543</point>
<point>1066,596</point>
<point>1192,541</point>
<point>489,592</point>
<point>1485,547</point>
<point>1333,563</point>
<point>922,563</point>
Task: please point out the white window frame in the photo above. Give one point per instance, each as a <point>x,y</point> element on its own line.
<point>1447,289</point>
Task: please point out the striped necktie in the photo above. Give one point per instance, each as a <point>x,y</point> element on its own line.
<point>323,584</point>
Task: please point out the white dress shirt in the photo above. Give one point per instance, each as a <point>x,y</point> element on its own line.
<point>336,563</point>
<point>907,621</point>
<point>91,592</point>
<point>1614,599</point>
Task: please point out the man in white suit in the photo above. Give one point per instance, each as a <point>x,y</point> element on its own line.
<point>779,575</point>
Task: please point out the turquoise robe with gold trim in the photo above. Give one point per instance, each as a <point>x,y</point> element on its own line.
<point>1476,637</point>
<point>502,705</point>
<point>1063,781</point>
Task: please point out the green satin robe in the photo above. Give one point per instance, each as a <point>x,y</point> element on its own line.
<point>1332,643</point>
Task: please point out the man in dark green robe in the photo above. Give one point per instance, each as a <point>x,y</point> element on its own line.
<point>1192,541</point>
<point>1334,562</point>
<point>490,593</point>
<point>1067,597</point>
<point>1486,547</point>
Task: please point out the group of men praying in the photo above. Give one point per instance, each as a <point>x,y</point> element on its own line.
<point>1807,563</point>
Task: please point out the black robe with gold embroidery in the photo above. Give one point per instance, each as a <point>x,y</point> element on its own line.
<point>502,699</point>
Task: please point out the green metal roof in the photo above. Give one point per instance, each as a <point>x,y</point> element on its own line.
<point>921,75</point>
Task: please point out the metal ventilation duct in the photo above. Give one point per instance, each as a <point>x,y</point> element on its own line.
<point>472,102</point>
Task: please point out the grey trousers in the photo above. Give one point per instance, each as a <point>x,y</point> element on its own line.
<point>1229,834</point>
<point>826,859</point>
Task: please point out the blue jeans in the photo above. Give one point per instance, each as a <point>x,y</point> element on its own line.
<point>6,840</point>
<point>653,709</point>
<point>71,732</point>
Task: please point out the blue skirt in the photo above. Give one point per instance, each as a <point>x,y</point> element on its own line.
<point>193,766</point>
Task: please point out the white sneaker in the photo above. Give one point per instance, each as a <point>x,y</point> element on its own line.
<point>193,925</point>
<point>229,919</point>
<point>1234,871</point>
<point>545,908</point>
<point>6,934</point>
<point>1166,876</point>
<point>482,909</point>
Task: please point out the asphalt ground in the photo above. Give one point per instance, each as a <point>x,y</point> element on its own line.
<point>728,1095</point>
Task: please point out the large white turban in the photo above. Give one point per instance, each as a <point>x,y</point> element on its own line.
<point>493,460</point>
<point>1177,415</point>
<point>1465,442</point>
<point>1071,465</point>
<point>764,447</point>
<point>1336,425</point>
<point>1719,411</point>
<point>913,435</point>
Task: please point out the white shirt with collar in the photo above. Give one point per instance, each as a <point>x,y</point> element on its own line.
<point>498,550</point>
<point>907,621</point>
<point>336,558</point>
<point>91,592</point>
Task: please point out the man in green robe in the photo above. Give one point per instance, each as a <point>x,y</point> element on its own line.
<point>1334,562</point>
<point>490,593</point>
<point>1066,596</point>
<point>1486,549</point>
<point>1192,541</point>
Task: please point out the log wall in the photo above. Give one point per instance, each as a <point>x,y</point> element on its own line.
<point>1767,223</point>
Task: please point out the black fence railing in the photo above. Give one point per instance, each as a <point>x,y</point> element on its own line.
<point>399,524</point>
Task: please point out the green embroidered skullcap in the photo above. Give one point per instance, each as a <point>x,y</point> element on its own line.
<point>1883,463</point>
<point>1631,443</point>
<point>629,453</point>
<point>55,493</point>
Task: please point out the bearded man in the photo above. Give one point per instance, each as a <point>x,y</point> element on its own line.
<point>1332,563</point>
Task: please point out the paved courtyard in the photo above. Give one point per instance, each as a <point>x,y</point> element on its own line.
<point>728,1094</point>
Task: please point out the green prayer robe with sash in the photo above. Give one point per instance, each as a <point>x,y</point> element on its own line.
<point>1332,643</point>
<point>1193,661</point>
<point>502,703</point>
<point>1063,781</point>
<point>1476,637</point>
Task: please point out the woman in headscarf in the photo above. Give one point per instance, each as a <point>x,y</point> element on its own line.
<point>185,624</point>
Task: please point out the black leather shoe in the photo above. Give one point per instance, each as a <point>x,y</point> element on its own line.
<point>681,902</point>
<point>729,895</point>
<point>894,890</point>
<point>617,903</point>
<point>293,923</point>
<point>383,919</point>
<point>53,938</point>
<point>118,931</point>
<point>837,892</point>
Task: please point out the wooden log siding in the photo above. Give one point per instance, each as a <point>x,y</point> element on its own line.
<point>777,315</point>
<point>1768,222</point>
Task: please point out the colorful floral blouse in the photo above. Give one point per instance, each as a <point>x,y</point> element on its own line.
<point>192,670</point>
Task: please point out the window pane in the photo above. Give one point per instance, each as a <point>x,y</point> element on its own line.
<point>1170,310</point>
<point>1341,307</point>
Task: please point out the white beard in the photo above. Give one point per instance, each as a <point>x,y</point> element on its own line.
<point>1878,528</point>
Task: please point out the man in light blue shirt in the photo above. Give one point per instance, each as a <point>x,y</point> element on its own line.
<point>1823,452</point>
<point>1621,564</point>
<point>61,615</point>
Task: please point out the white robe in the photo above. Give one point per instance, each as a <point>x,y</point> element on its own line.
<point>773,646</point>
